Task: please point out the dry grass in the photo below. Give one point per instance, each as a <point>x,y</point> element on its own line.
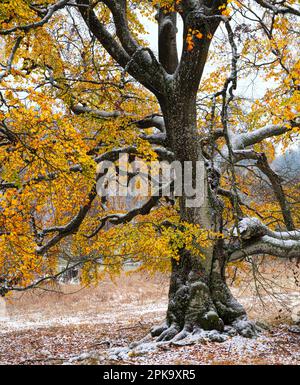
<point>71,299</point>
<point>269,289</point>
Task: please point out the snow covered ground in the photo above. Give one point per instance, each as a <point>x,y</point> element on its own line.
<point>97,326</point>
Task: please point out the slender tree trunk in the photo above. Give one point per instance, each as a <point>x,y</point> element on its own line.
<point>199,298</point>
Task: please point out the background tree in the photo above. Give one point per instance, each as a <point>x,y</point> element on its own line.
<point>85,87</point>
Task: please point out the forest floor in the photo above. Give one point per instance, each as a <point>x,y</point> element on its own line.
<point>88,326</point>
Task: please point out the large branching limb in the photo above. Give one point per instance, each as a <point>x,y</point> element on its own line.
<point>153,120</point>
<point>156,121</point>
<point>140,63</point>
<point>117,219</point>
<point>205,19</point>
<point>78,110</point>
<point>164,154</point>
<point>240,152</point>
<point>102,34</point>
<point>114,154</point>
<point>159,138</point>
<point>267,245</point>
<point>257,238</point>
<point>240,142</point>
<point>167,24</point>
<point>49,13</point>
<point>253,227</point>
<point>190,70</point>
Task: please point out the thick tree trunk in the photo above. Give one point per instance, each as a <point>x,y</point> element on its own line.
<point>199,298</point>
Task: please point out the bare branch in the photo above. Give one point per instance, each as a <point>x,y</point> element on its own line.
<point>276,181</point>
<point>118,10</point>
<point>283,9</point>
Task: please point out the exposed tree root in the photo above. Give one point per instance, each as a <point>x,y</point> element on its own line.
<point>188,336</point>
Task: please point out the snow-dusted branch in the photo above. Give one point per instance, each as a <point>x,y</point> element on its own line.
<point>275,180</point>
<point>241,141</point>
<point>281,248</point>
<point>257,238</point>
<point>150,121</point>
<point>253,227</point>
<point>153,120</point>
<point>114,154</point>
<point>159,138</point>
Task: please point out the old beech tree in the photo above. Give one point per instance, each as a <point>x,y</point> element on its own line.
<point>79,85</point>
